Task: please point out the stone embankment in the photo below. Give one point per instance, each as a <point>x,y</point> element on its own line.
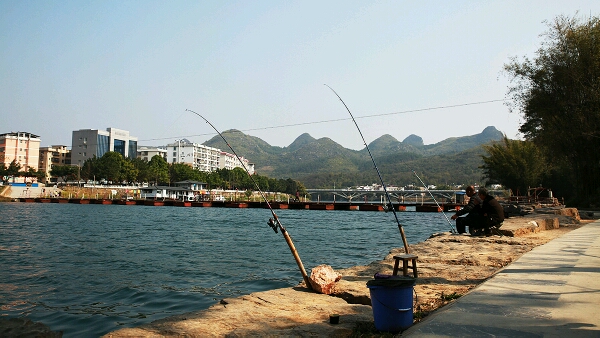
<point>449,266</point>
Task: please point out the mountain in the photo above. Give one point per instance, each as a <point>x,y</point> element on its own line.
<point>414,140</point>
<point>321,162</point>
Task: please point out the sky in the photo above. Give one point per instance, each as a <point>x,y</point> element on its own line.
<point>429,68</point>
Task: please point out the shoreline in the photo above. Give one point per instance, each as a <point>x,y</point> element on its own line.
<point>449,267</point>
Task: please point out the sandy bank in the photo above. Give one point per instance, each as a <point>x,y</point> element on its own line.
<point>449,266</point>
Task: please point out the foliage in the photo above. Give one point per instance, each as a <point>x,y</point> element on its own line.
<point>558,94</point>
<point>113,167</point>
<point>65,172</point>
<point>516,164</point>
<point>13,168</point>
<point>323,163</point>
<point>158,170</point>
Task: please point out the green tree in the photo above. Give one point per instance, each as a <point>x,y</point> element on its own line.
<point>558,94</point>
<point>158,170</point>
<point>181,172</point>
<point>141,166</point>
<point>129,172</point>
<point>13,169</point>
<point>515,164</point>
<point>110,165</point>
<point>64,172</point>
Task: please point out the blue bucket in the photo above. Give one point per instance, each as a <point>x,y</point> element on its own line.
<point>392,303</point>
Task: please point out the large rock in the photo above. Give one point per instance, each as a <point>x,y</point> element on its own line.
<point>323,279</point>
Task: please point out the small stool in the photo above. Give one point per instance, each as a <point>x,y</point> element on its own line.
<point>405,258</point>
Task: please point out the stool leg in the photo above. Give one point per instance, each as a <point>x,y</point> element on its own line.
<point>405,267</point>
<point>414,261</point>
<point>395,273</point>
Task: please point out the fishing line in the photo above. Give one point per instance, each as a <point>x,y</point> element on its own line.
<point>436,202</point>
<point>390,205</point>
<point>274,222</point>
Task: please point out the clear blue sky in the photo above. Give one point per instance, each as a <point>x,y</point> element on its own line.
<point>254,65</point>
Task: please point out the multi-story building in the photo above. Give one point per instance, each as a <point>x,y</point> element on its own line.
<point>196,155</point>
<point>21,147</point>
<point>51,156</point>
<point>147,153</point>
<point>230,161</point>
<point>87,143</point>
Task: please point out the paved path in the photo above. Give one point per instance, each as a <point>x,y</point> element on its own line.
<point>551,291</point>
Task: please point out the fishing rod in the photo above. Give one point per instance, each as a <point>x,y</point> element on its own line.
<point>436,202</point>
<point>274,222</point>
<point>390,205</point>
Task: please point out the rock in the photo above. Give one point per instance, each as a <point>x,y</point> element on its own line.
<point>24,327</point>
<point>323,279</point>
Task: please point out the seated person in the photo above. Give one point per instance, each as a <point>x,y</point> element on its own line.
<point>472,210</point>
<point>492,214</point>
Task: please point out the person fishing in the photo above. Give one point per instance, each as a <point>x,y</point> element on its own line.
<point>492,213</point>
<point>472,210</point>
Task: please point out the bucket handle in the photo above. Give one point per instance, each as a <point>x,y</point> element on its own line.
<point>399,310</point>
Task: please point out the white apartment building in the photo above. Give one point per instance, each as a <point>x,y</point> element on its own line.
<point>147,153</point>
<point>230,161</point>
<point>196,155</point>
<point>51,156</point>
<point>87,143</point>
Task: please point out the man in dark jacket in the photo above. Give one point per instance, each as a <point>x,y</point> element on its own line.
<point>472,210</point>
<point>492,211</point>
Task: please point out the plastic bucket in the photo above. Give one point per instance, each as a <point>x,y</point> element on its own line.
<point>392,303</point>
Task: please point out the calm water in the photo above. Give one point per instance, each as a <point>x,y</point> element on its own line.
<point>91,269</point>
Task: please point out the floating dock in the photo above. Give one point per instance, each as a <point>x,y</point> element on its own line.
<point>244,204</point>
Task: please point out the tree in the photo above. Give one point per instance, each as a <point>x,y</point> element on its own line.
<point>109,166</point>
<point>90,168</point>
<point>129,172</point>
<point>558,94</point>
<point>64,172</point>
<point>13,169</point>
<point>181,172</point>
<point>515,164</point>
<point>142,169</point>
<point>158,170</point>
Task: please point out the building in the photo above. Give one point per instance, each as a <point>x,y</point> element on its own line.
<point>87,143</point>
<point>196,155</point>
<point>230,161</point>
<point>51,156</point>
<point>21,147</point>
<point>147,153</point>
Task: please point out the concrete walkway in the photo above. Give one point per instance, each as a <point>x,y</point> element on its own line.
<point>551,291</point>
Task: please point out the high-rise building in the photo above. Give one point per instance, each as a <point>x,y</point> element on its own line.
<point>21,147</point>
<point>196,155</point>
<point>51,156</point>
<point>88,143</point>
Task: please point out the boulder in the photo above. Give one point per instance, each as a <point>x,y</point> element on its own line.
<point>323,279</point>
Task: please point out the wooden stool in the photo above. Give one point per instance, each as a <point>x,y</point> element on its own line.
<point>405,258</point>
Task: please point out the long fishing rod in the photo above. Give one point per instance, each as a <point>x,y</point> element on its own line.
<point>390,205</point>
<point>274,222</point>
<point>436,202</point>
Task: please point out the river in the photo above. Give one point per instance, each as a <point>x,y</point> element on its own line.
<point>90,269</point>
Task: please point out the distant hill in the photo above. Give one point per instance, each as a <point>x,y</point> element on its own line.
<point>322,162</point>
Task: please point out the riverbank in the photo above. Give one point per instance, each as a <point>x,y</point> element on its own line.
<point>449,267</point>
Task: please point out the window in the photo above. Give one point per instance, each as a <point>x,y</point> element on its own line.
<point>119,147</point>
